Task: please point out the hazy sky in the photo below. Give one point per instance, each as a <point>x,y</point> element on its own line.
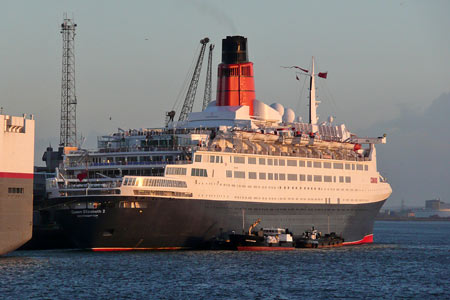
<point>388,64</point>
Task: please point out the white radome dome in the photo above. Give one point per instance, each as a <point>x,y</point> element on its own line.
<point>288,116</point>
<point>278,107</point>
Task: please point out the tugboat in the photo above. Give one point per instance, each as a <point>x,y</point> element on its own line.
<point>314,239</point>
<point>266,239</point>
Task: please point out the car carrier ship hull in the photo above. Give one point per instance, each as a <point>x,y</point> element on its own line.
<point>164,223</point>
<point>16,181</point>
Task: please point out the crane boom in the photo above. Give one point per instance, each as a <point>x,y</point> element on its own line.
<point>207,96</point>
<point>190,95</point>
<point>253,226</point>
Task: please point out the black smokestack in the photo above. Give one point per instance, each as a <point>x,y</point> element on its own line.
<point>234,50</point>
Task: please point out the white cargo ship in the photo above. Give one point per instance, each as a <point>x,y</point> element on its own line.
<point>16,181</point>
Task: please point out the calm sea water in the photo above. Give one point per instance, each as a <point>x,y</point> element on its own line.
<point>407,260</point>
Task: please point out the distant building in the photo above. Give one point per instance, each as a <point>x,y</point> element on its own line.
<point>434,207</point>
<point>436,204</point>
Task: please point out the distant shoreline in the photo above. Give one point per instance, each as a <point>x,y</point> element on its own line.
<point>411,219</point>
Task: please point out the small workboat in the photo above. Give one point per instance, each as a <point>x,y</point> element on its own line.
<point>265,239</point>
<point>314,239</point>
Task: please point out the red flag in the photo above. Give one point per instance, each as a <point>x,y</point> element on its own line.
<point>82,176</point>
<point>323,75</point>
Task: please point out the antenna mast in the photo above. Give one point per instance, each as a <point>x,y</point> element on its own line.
<point>312,98</point>
<point>68,130</point>
<point>207,96</point>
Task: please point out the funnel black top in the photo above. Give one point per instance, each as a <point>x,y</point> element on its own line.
<point>234,50</point>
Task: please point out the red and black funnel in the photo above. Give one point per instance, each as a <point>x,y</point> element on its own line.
<point>235,84</point>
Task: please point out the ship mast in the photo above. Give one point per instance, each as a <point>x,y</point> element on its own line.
<point>312,98</point>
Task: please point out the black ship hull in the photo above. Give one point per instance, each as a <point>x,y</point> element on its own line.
<point>128,223</point>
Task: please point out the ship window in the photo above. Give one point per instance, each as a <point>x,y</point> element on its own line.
<point>160,158</point>
<point>292,177</point>
<point>132,204</point>
<point>366,168</point>
<point>309,164</point>
<point>229,173</point>
<point>281,162</point>
<point>176,171</point>
<point>341,178</point>
<point>251,175</point>
<point>252,160</point>
<point>198,158</point>
<point>309,177</point>
<point>211,158</point>
<point>125,181</point>
<point>199,172</point>
<point>275,162</point>
<point>219,159</point>
<point>318,178</point>
<point>347,166</point>
<point>327,165</point>
<point>262,175</point>
<point>317,164</point>
<point>144,158</point>
<point>301,163</point>
<point>239,174</point>
<point>338,166</point>
<point>291,163</point>
<point>164,183</point>
<point>270,176</point>
<point>239,160</point>
<point>327,178</point>
<point>275,175</point>
<point>131,181</point>
<point>270,161</point>
<point>15,190</point>
<point>282,176</point>
<point>262,161</point>
<point>353,166</point>
<point>359,167</point>
<point>348,179</point>
<point>302,177</point>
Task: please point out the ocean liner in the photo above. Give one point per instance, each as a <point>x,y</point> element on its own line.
<point>16,181</point>
<point>198,180</point>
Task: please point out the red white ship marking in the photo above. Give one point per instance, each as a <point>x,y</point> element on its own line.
<point>16,175</point>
